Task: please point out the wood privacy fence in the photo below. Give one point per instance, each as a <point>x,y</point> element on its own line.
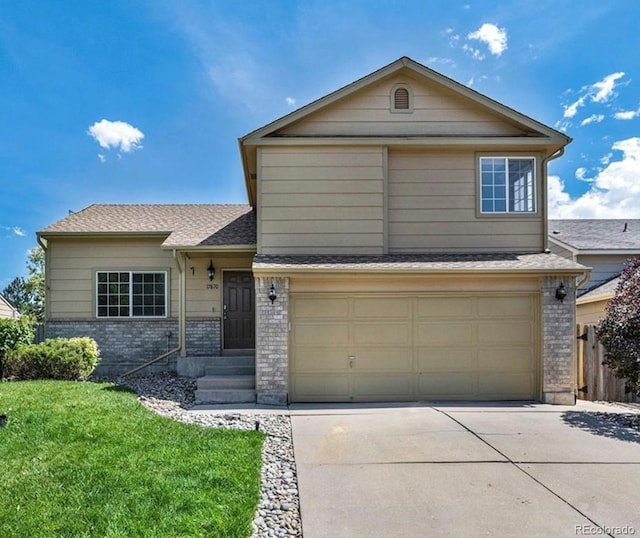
<point>596,380</point>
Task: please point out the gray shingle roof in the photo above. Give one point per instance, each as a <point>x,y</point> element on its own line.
<point>183,224</point>
<point>507,262</point>
<point>597,234</point>
<point>608,287</point>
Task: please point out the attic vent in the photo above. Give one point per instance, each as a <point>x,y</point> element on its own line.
<point>401,98</point>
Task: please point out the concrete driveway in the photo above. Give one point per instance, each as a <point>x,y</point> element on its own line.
<point>465,470</point>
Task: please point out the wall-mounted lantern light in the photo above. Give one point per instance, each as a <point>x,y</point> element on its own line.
<point>272,293</point>
<point>211,270</point>
<point>561,292</point>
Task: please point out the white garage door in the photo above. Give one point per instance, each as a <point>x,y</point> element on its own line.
<point>392,348</point>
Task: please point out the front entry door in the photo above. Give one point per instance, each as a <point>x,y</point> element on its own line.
<point>238,312</point>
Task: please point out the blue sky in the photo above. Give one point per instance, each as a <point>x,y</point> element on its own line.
<point>143,101</point>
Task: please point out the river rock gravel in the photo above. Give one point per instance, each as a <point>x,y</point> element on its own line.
<point>278,512</point>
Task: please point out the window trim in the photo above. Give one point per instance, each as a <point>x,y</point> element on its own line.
<point>507,213</point>
<point>392,99</point>
<point>131,272</point>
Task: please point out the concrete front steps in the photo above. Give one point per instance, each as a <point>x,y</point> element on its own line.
<point>227,380</point>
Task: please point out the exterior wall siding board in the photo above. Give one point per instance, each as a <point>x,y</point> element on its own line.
<point>326,210</point>
<point>427,213</point>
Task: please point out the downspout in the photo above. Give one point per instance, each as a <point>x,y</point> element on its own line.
<point>44,246</point>
<point>182,307</point>
<point>545,224</point>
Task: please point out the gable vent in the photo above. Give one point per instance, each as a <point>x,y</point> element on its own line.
<point>401,99</point>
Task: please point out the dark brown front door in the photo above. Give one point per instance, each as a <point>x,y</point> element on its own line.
<point>238,313</point>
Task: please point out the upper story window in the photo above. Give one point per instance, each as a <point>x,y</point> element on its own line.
<point>401,98</point>
<point>507,185</point>
<point>125,294</point>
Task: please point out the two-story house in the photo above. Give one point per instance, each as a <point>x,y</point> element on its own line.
<point>394,248</point>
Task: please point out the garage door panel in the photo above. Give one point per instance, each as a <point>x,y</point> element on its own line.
<point>444,307</point>
<point>372,387</point>
<point>329,334</point>
<point>506,360</point>
<point>322,360</point>
<point>321,387</point>
<point>506,386</point>
<point>505,307</point>
<point>385,359</point>
<point>385,347</point>
<point>381,333</point>
<point>321,308</point>
<point>385,308</point>
<point>446,359</point>
<point>503,333</point>
<point>449,385</point>
<point>444,334</point>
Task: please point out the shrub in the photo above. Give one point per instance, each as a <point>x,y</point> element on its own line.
<point>619,330</point>
<point>14,332</point>
<point>57,358</point>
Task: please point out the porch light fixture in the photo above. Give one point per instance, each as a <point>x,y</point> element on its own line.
<point>561,292</point>
<point>272,293</point>
<point>211,270</point>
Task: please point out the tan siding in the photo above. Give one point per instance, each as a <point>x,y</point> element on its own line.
<point>432,208</point>
<point>436,111</point>
<point>73,264</point>
<point>204,298</point>
<point>591,313</point>
<point>5,310</point>
<point>321,201</point>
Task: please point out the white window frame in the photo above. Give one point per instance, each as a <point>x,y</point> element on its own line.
<point>131,305</point>
<point>534,193</point>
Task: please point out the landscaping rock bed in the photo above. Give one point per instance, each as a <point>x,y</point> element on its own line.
<point>278,512</point>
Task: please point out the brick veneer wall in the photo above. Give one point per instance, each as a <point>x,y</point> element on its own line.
<point>125,344</point>
<point>272,341</point>
<point>558,341</point>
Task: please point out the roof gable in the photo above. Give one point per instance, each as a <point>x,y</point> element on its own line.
<point>409,68</point>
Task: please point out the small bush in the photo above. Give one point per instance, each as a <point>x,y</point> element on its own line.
<point>58,358</point>
<point>14,332</point>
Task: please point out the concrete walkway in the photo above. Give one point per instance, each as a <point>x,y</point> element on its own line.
<point>465,470</point>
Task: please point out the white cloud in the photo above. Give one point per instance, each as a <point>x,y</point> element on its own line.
<point>594,118</point>
<point>598,92</point>
<point>102,158</point>
<point>493,36</point>
<point>580,173</point>
<point>14,230</point>
<point>117,135</point>
<point>627,114</point>
<point>604,88</point>
<point>476,54</point>
<point>615,192</point>
<point>291,101</point>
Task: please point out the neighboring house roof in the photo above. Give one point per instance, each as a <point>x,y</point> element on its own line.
<point>616,235</point>
<point>605,290</point>
<point>185,225</point>
<point>471,263</point>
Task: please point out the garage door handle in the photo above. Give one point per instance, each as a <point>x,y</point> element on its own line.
<point>352,359</point>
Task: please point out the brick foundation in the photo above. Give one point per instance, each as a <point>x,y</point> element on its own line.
<point>127,343</point>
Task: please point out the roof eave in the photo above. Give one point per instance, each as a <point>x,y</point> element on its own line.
<point>211,248</point>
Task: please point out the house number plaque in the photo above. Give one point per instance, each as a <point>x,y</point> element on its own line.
<point>212,286</point>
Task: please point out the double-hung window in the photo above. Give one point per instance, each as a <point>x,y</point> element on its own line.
<point>127,294</point>
<point>507,185</point>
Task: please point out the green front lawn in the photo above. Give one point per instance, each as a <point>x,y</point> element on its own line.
<point>87,459</point>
